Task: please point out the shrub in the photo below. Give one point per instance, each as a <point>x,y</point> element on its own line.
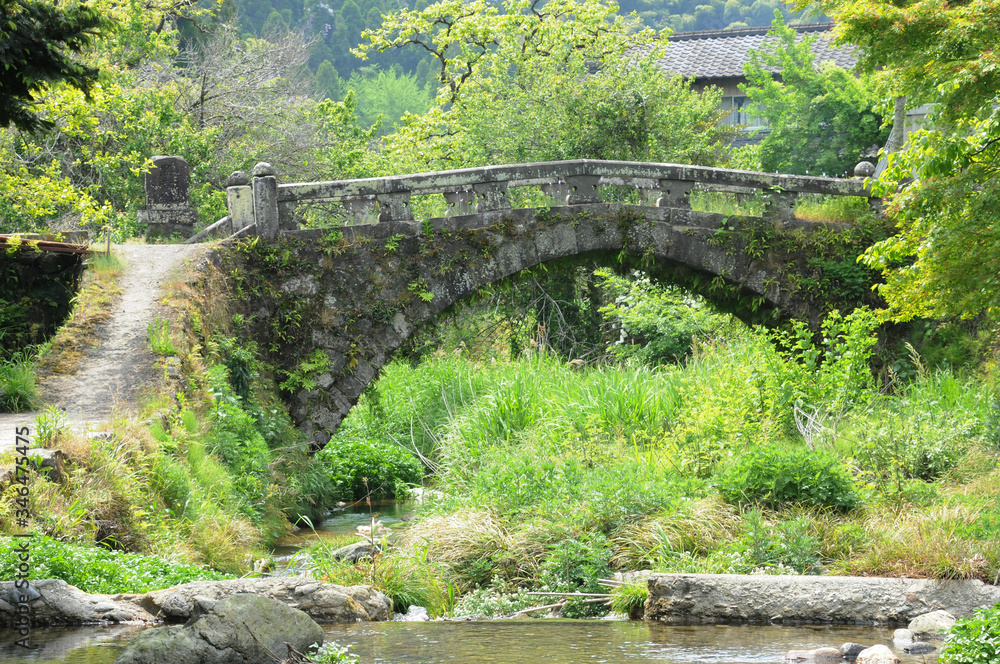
<point>357,465</point>
<point>630,599</point>
<point>774,477</point>
<point>97,570</point>
<point>974,640</point>
<point>494,601</point>
<point>575,564</point>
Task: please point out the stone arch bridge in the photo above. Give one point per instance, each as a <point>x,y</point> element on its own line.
<point>331,306</point>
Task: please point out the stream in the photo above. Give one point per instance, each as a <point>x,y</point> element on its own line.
<point>526,641</point>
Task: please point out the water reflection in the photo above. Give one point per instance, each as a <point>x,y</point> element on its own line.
<point>68,645</point>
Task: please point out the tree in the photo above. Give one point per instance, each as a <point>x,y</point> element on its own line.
<point>36,43</point>
<point>821,117</point>
<point>462,35</point>
<point>520,85</point>
<point>943,188</point>
<point>385,97</point>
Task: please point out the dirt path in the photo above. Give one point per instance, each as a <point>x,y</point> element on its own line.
<point>116,371</point>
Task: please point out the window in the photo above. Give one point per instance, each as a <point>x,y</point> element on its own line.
<point>738,115</point>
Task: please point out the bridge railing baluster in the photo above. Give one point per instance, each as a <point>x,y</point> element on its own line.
<point>491,196</point>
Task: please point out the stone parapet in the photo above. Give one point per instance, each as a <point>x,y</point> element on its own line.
<point>738,598</point>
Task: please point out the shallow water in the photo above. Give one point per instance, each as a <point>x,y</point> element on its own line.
<point>345,521</point>
<point>591,641</point>
<point>506,641</point>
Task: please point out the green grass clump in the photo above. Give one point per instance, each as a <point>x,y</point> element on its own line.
<point>630,599</point>
<point>96,570</point>
<point>18,391</point>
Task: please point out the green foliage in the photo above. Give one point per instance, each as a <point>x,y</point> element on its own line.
<point>974,640</point>
<point>832,368</point>
<point>496,600</point>
<point>820,114</point>
<point>385,97</point>
<point>304,376</point>
<point>630,599</point>
<point>943,186</point>
<point>359,466</point>
<point>774,477</point>
<point>39,41</point>
<point>656,324</point>
<point>159,337</point>
<point>49,424</point>
<point>575,563</point>
<point>18,391</point>
<point>407,578</point>
<point>234,438</point>
<point>515,87</point>
<point>331,652</point>
<point>96,570</point>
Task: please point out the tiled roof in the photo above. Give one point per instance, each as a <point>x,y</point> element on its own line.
<point>722,53</point>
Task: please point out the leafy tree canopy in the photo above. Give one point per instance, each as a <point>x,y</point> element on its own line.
<point>518,84</point>
<point>821,117</point>
<point>943,261</point>
<point>38,41</point>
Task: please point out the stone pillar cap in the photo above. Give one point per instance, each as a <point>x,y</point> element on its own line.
<point>262,169</point>
<point>864,169</point>
<point>238,179</point>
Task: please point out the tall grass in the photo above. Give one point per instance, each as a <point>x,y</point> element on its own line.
<point>18,391</point>
<point>624,462</point>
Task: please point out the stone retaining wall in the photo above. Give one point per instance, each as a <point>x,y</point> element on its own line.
<point>737,598</point>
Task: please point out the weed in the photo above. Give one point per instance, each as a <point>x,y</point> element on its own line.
<point>331,652</point>
<point>49,426</point>
<point>97,570</point>
<point>159,338</point>
<point>774,477</point>
<point>392,243</point>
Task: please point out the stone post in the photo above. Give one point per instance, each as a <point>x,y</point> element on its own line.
<point>265,200</point>
<point>168,208</point>
<point>866,169</point>
<point>459,203</point>
<point>239,201</point>
<point>394,206</point>
<point>558,192</point>
<point>675,194</point>
<point>583,189</point>
<point>491,196</point>
<point>780,205</point>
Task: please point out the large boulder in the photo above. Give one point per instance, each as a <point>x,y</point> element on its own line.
<point>241,629</point>
<point>933,625</point>
<point>878,654</point>
<point>815,656</point>
<point>55,602</point>
<point>323,602</point>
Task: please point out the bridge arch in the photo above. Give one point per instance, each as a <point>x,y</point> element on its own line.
<point>332,306</point>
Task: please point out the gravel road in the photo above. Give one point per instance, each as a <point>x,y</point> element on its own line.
<point>114,372</point>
